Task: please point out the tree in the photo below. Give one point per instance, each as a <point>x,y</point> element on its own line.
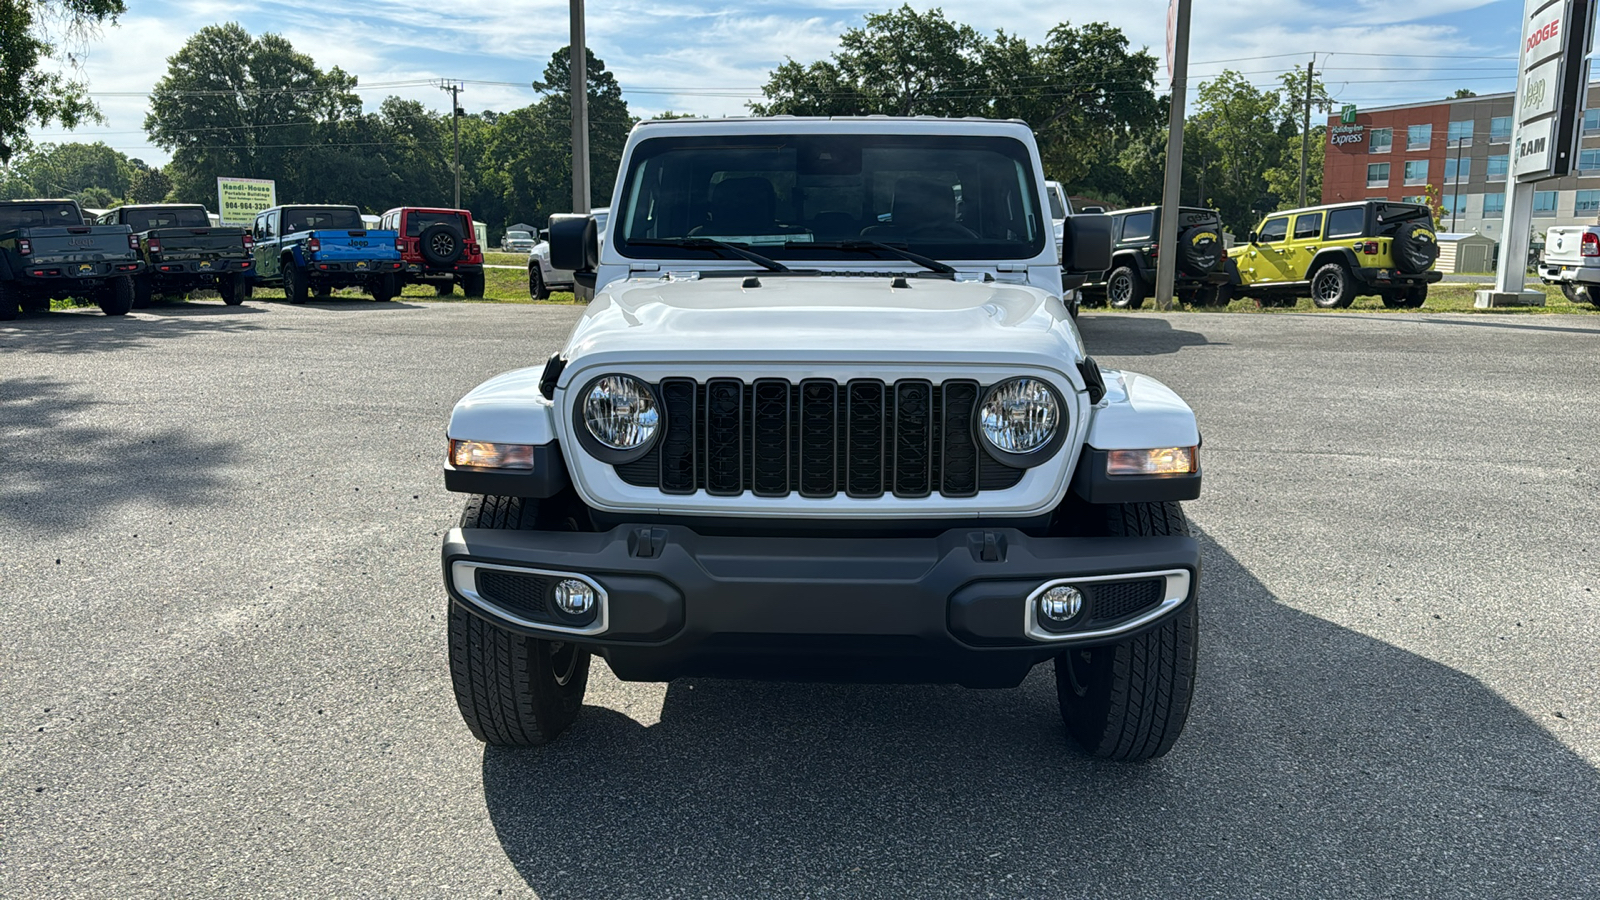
<point>1085,94</point>
<point>1463,93</point>
<point>233,105</point>
<point>64,170</point>
<point>33,97</point>
<point>149,186</point>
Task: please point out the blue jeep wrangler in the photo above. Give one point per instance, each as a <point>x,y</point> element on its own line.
<point>314,249</point>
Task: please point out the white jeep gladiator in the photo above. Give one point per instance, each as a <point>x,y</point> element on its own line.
<point>826,418</point>
<point>1572,260</point>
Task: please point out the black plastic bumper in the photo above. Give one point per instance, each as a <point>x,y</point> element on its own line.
<point>1380,278</point>
<point>951,608</point>
<point>353,271</point>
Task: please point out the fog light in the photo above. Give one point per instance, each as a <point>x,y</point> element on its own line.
<point>1060,604</point>
<point>574,597</point>
<point>1162,461</point>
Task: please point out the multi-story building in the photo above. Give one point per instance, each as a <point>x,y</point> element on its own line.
<point>1463,149</point>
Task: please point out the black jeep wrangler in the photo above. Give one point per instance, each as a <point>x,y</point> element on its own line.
<point>183,252</point>
<point>47,253</point>
<point>1132,276</point>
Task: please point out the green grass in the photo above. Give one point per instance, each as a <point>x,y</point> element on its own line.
<point>500,286</point>
<point>498,258</point>
<point>1446,296</point>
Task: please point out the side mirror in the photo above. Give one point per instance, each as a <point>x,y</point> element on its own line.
<point>1251,237</point>
<point>544,234</point>
<point>1087,243</point>
<point>574,242</point>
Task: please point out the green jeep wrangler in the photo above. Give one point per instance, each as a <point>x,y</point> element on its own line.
<point>1336,253</point>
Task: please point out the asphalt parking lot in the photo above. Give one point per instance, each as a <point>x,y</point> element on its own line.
<point>224,663</point>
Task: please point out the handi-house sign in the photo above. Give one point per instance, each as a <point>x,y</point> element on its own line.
<point>1340,135</point>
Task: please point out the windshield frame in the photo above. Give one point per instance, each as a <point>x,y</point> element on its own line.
<point>1026,210</point>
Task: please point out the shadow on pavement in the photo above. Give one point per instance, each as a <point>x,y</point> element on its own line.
<point>355,304</point>
<point>1317,762</point>
<point>1521,323</point>
<point>60,469</point>
<point>1127,334</point>
<point>90,331</point>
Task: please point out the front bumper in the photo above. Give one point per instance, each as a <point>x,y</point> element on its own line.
<point>1381,278</point>
<point>948,608</point>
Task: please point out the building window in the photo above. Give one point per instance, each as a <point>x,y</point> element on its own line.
<point>1461,134</point>
<point>1494,205</point>
<point>1377,175</point>
<point>1589,160</point>
<point>1498,166</point>
<point>1588,202</point>
<point>1544,203</point>
<point>1591,121</point>
<point>1418,198</point>
<point>1416,171</point>
<point>1500,130</point>
<point>1418,137</point>
<point>1379,140</point>
<point>1454,168</point>
<point>1454,204</point>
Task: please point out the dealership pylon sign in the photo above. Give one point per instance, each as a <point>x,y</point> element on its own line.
<point>1551,86</point>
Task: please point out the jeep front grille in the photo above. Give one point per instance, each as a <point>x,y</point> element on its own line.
<point>818,438</point>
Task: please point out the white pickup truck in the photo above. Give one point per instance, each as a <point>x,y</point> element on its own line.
<point>827,417</point>
<point>1572,260</point>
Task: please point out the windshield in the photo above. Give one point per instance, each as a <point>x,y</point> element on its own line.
<point>310,218</point>
<point>39,214</point>
<point>944,196</point>
<point>144,219</point>
<point>519,236</point>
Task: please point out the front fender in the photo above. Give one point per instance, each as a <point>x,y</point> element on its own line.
<point>509,409</point>
<point>1137,413</point>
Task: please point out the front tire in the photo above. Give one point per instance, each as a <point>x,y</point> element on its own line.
<point>1125,289</point>
<point>116,298</point>
<point>512,690</point>
<point>1333,287</point>
<point>1129,701</point>
<point>537,289</point>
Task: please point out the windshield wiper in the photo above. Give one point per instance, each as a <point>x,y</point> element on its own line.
<point>927,262</point>
<point>702,243</point>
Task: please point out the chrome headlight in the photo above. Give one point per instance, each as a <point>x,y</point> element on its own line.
<point>621,414</point>
<point>1020,419</point>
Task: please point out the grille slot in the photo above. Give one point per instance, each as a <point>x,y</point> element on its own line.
<point>1112,600</point>
<point>820,438</point>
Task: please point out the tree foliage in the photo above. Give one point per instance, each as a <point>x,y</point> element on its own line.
<point>1085,93</point>
<point>32,32</point>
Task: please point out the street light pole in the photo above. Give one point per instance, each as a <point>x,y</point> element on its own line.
<point>455,131</point>
<point>1455,199</point>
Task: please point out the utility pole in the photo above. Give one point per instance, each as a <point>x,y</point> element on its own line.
<point>580,112</point>
<point>1305,126</point>
<point>1167,258</point>
<point>1455,199</point>
<point>455,90</point>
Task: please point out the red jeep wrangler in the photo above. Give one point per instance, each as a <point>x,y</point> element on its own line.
<point>439,248</point>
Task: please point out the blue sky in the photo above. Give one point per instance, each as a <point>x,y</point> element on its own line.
<point>711,60</point>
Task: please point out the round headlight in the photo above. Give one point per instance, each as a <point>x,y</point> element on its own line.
<point>1020,416</point>
<point>621,412</point>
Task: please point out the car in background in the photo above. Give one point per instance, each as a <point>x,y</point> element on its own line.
<point>47,253</point>
<point>543,277</point>
<point>1198,276</point>
<point>182,252</point>
<point>439,248</point>
<point>517,242</point>
<point>1337,252</point>
<point>313,249</point>
<point>1060,208</point>
<point>1571,260</point>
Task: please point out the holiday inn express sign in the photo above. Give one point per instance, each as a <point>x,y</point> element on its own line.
<point>1550,86</point>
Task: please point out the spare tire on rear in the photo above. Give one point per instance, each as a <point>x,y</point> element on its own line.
<point>1415,246</point>
<point>1199,250</point>
<point>440,244</point>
